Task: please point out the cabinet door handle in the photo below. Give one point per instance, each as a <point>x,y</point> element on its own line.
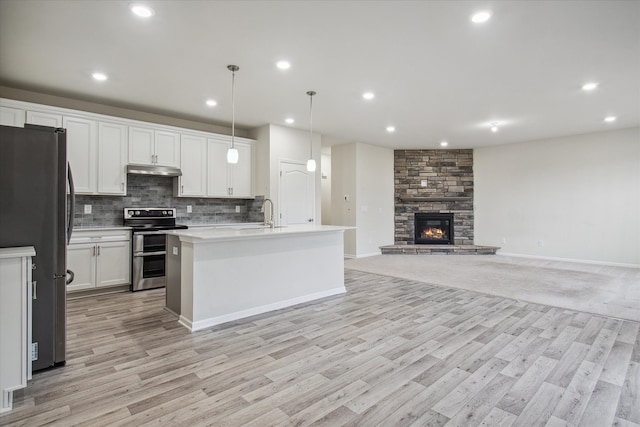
<point>94,251</point>
<point>34,290</point>
<point>98,250</point>
<point>122,186</point>
<point>182,189</point>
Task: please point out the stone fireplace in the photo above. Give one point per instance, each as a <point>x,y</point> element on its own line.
<point>434,182</point>
<point>433,229</point>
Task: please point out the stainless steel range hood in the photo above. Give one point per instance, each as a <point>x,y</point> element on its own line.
<point>154,170</point>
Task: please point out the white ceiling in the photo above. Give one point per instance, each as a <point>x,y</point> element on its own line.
<point>436,75</point>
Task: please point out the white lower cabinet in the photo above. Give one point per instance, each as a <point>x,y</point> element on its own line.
<point>15,328</point>
<point>99,259</point>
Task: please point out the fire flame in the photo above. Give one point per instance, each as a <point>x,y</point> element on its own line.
<point>434,233</point>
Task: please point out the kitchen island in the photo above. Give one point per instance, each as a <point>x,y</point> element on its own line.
<point>218,275</point>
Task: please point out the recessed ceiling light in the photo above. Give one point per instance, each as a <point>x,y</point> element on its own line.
<point>494,126</point>
<point>480,17</point>
<point>99,76</point>
<point>589,86</point>
<point>368,95</point>
<point>289,120</point>
<point>211,102</point>
<point>142,10</point>
<point>391,129</point>
<point>283,65</point>
<point>610,119</point>
<point>444,143</point>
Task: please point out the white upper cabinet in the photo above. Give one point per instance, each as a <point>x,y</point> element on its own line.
<point>44,119</point>
<point>217,169</point>
<point>227,180</point>
<point>206,173</point>
<point>193,156</point>
<point>99,148</point>
<point>242,172</point>
<point>12,117</point>
<point>154,147</point>
<point>167,148</point>
<point>112,159</point>
<point>97,153</point>
<point>82,144</point>
<point>141,149</point>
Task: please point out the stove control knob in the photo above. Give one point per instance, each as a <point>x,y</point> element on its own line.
<point>164,212</point>
<point>137,212</point>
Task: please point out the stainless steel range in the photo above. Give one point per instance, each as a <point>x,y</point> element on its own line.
<point>148,249</point>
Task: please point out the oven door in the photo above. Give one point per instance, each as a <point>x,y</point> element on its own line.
<point>148,260</point>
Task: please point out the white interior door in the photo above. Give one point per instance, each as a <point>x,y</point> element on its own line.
<point>297,194</point>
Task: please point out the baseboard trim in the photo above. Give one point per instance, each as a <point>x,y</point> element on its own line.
<point>213,321</point>
<point>577,261</point>
<point>369,255</point>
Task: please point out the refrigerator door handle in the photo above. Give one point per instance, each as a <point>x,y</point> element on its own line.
<point>72,203</point>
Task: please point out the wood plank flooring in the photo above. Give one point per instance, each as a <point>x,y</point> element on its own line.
<point>390,352</point>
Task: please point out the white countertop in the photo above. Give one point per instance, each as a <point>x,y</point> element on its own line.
<point>100,228</point>
<point>17,252</point>
<point>250,232</point>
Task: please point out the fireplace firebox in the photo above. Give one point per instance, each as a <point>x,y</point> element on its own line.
<point>433,228</point>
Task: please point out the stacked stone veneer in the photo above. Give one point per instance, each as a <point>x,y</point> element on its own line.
<point>449,177</point>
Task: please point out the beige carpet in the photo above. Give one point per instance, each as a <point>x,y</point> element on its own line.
<point>610,291</point>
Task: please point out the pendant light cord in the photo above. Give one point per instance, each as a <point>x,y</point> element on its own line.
<point>233,108</point>
<point>310,126</point>
<point>311,93</point>
<point>233,69</point>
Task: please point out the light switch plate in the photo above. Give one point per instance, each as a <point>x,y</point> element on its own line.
<point>87,209</point>
<point>189,209</point>
<point>237,209</point>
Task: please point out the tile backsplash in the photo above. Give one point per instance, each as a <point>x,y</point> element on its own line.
<point>157,191</point>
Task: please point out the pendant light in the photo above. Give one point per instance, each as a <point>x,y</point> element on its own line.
<point>311,163</point>
<point>232,152</point>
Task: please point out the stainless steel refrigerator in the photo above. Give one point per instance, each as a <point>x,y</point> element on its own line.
<point>33,212</point>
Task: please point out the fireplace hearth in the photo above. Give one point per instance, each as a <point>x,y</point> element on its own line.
<point>433,228</point>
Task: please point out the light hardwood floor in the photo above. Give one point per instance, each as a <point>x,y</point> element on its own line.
<point>390,352</point>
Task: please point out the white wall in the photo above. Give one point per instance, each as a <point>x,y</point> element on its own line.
<point>375,192</point>
<point>325,185</point>
<point>575,198</point>
<point>263,148</point>
<point>343,183</point>
<point>363,173</point>
<point>280,143</point>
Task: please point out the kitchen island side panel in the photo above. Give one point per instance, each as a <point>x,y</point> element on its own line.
<point>229,280</point>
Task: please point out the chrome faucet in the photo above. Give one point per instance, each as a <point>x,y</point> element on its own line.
<point>269,221</point>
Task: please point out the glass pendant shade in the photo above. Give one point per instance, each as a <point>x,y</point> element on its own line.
<point>311,165</point>
<point>232,155</point>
